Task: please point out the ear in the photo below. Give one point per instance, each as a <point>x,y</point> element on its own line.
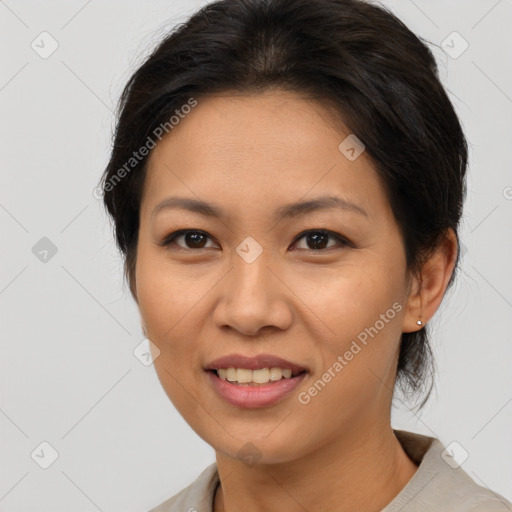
<point>130,273</point>
<point>133,291</point>
<point>427,289</point>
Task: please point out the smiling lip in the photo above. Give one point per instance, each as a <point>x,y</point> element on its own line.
<point>261,395</point>
<point>254,363</point>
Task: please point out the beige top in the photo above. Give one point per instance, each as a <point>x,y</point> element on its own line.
<point>439,485</point>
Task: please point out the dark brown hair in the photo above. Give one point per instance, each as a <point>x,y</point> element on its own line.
<point>381,79</point>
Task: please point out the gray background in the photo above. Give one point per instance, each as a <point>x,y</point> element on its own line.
<point>68,374</point>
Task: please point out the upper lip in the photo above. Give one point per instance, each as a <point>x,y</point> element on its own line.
<point>254,363</point>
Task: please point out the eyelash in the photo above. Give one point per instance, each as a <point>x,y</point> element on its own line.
<point>344,242</point>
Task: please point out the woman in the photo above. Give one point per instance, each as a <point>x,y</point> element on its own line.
<point>286,185</point>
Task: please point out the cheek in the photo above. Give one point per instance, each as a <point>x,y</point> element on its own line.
<point>360,311</point>
<point>167,294</point>
<point>347,300</point>
<point>357,358</point>
<point>166,300</point>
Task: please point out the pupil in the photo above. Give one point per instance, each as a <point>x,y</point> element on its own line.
<point>194,239</point>
<point>318,240</point>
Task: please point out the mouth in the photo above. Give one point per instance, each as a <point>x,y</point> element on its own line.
<point>258,381</point>
<point>257,377</point>
<point>237,367</point>
<point>252,394</point>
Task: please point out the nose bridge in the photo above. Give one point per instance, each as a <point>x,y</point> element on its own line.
<point>251,273</point>
<point>252,298</point>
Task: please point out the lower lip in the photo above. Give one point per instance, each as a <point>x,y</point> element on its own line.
<point>261,395</point>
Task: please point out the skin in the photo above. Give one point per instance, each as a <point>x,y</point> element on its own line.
<point>250,154</point>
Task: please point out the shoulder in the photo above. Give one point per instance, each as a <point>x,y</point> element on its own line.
<point>460,493</point>
<point>197,497</point>
<point>440,483</point>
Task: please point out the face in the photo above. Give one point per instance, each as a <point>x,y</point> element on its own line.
<point>316,287</point>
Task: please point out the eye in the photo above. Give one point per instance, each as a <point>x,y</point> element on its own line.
<point>318,239</point>
<point>195,239</point>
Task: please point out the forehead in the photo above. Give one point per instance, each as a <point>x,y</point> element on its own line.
<point>275,147</point>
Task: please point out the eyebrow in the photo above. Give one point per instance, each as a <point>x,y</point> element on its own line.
<point>287,211</point>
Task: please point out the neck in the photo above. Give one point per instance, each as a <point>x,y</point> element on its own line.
<point>351,473</point>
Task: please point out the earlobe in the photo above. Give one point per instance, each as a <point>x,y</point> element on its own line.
<point>413,309</point>
<point>428,289</point>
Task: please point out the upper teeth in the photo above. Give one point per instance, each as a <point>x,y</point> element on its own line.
<point>259,376</point>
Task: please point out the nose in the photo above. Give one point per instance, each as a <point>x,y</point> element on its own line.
<point>253,298</point>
